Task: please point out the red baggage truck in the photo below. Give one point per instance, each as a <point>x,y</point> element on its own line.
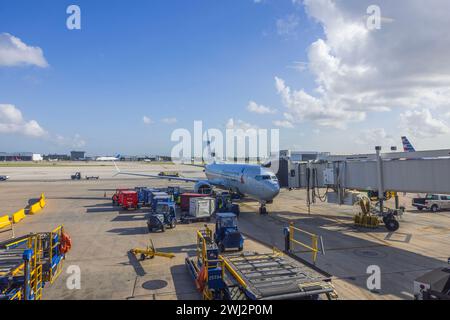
<point>185,199</point>
<point>128,199</point>
<point>115,197</point>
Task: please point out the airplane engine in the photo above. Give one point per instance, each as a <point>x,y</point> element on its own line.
<point>203,187</point>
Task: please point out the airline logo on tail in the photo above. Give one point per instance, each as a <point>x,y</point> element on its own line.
<point>407,146</point>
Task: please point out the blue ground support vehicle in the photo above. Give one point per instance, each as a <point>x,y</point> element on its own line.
<point>141,194</point>
<point>224,203</point>
<point>175,192</point>
<point>145,195</point>
<point>157,197</point>
<point>164,215</point>
<point>227,236</point>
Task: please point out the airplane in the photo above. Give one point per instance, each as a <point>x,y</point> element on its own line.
<point>407,146</point>
<point>253,181</point>
<point>116,158</point>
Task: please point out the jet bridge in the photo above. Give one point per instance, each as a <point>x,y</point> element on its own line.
<point>411,172</point>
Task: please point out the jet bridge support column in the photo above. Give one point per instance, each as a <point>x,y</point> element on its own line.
<point>380,178</point>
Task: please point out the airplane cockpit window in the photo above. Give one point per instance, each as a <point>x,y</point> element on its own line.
<point>266,177</point>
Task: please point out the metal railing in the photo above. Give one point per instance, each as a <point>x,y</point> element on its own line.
<point>313,247</point>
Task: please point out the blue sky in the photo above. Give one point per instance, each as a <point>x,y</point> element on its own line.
<point>189,60</point>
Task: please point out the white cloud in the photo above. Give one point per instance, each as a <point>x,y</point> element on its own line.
<point>421,124</point>
<point>147,120</point>
<point>302,106</point>
<point>13,52</point>
<point>403,66</point>
<point>169,120</point>
<point>239,124</point>
<point>287,26</point>
<point>75,142</point>
<point>259,108</point>
<point>300,66</point>
<point>283,124</point>
<point>12,121</point>
<point>376,137</point>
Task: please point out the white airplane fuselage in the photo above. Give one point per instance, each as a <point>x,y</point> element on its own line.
<point>252,180</point>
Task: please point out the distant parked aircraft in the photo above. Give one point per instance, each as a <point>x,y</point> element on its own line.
<point>407,146</point>
<point>116,158</point>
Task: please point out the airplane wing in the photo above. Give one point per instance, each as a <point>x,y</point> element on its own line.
<point>154,176</point>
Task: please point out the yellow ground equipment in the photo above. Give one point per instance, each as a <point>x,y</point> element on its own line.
<point>365,218</point>
<point>18,216</point>
<point>28,262</point>
<point>253,276</point>
<point>295,236</point>
<point>5,222</point>
<point>38,206</point>
<point>150,252</point>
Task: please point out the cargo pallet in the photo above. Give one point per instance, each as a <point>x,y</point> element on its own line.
<point>185,218</point>
<point>28,263</point>
<point>253,276</point>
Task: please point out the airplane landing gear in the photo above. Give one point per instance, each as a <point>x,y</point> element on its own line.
<point>262,209</point>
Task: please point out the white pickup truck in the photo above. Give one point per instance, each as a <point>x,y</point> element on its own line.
<point>432,202</point>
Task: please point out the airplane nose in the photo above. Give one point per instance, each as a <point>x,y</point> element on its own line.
<point>275,190</point>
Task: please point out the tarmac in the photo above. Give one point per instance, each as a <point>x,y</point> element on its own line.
<point>102,236</point>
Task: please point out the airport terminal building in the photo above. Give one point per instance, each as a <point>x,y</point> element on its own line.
<point>20,156</point>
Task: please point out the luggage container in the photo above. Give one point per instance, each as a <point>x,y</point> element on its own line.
<point>200,209</point>
<point>185,199</point>
<point>128,200</point>
<point>115,198</point>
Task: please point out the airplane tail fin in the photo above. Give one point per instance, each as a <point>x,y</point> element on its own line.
<point>407,146</point>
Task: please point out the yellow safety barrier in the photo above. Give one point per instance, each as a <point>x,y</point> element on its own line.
<point>35,208</point>
<point>314,247</point>
<point>42,201</point>
<point>18,216</point>
<point>5,222</point>
<point>38,206</point>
